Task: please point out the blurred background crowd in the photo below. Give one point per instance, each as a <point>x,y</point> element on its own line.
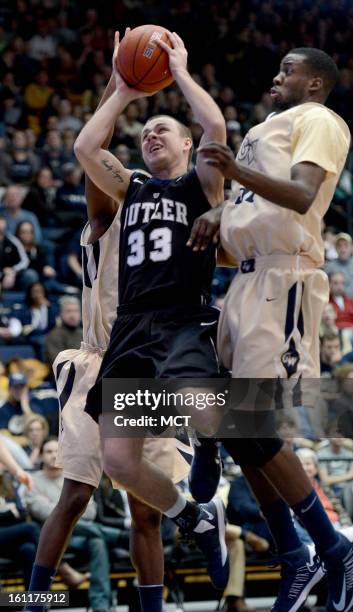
<point>55,60</point>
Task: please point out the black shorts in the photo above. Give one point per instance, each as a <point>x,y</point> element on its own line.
<point>169,343</point>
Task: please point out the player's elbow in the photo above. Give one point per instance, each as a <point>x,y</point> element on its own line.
<point>82,148</point>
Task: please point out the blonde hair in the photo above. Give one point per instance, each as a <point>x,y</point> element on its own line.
<point>32,419</point>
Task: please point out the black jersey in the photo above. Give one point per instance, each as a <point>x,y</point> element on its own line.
<point>156,266</point>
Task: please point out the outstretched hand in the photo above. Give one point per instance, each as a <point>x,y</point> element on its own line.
<point>221,157</point>
<point>178,55</point>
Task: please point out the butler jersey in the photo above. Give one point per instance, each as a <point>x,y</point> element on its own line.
<point>100,269</point>
<point>157,269</point>
<point>253,226</point>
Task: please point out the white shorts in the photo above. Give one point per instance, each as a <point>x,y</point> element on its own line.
<point>269,324</point>
<point>80,453</point>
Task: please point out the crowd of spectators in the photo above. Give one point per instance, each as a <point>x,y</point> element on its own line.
<point>55,58</point>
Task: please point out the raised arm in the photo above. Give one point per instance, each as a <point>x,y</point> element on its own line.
<point>206,113</point>
<point>102,167</point>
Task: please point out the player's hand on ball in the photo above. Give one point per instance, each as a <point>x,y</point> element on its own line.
<point>123,88</point>
<point>219,156</point>
<point>178,55</point>
<point>205,230</point>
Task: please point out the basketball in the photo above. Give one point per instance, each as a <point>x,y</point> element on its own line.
<point>141,62</point>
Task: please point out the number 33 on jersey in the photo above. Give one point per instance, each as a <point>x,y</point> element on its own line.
<point>157,218</point>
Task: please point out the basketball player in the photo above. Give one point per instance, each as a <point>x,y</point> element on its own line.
<point>286,173</point>
<point>79,440</point>
<point>164,327</point>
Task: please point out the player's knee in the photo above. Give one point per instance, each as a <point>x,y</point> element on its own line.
<point>125,470</point>
<point>73,502</point>
<point>252,451</point>
<point>144,518</point>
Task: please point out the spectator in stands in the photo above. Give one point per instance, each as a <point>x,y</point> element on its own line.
<point>38,259</point>
<point>38,317</point>
<point>42,45</point>
<point>123,154</point>
<point>14,261</point>
<point>86,537</point>
<point>66,119</point>
<point>344,261</point>
<point>36,97</point>
<point>18,407</point>
<point>342,407</point>
<point>74,258</point>
<point>40,198</point>
<point>243,510</point>
<point>329,238</point>
<point>36,431</point>
<point>53,154</point>
<point>70,198</point>
<point>14,214</point>
<point>18,538</point>
<point>22,164</point>
<point>330,502</point>
<point>343,306</point>
<point>10,326</point>
<point>336,467</point>
<point>330,354</point>
<point>67,335</point>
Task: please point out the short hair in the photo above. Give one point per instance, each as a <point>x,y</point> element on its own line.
<point>334,272</point>
<point>69,300</point>
<point>46,441</point>
<point>320,64</point>
<point>330,335</point>
<point>307,454</point>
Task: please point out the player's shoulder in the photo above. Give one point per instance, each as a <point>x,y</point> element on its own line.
<point>314,113</point>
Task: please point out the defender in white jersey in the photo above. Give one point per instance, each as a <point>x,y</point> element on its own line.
<point>286,172</point>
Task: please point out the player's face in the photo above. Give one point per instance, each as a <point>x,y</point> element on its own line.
<point>49,454</point>
<point>162,144</point>
<point>309,467</point>
<point>291,85</point>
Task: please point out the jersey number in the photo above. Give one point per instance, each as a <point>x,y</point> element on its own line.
<point>162,246</point>
<point>245,195</point>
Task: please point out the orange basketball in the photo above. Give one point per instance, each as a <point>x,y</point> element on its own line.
<point>141,62</point>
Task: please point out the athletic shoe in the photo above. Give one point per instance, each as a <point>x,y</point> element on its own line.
<point>209,535</point>
<point>339,566</point>
<point>301,570</point>
<point>206,469</point>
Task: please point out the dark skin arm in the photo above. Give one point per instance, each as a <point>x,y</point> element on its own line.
<point>297,193</point>
<point>101,208</point>
<point>206,229</point>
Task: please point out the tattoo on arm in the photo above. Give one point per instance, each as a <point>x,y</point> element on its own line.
<point>109,168</point>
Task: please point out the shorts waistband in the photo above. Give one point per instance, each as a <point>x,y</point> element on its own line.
<point>285,262</point>
<point>92,349</point>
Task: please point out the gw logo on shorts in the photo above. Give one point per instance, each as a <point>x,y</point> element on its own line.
<point>290,359</point>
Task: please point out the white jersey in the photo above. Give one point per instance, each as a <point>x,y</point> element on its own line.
<point>254,226</point>
<point>100,270</point>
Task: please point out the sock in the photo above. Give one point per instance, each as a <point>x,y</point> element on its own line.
<point>312,514</point>
<point>41,580</point>
<point>184,514</point>
<point>280,522</point>
<point>151,597</point>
